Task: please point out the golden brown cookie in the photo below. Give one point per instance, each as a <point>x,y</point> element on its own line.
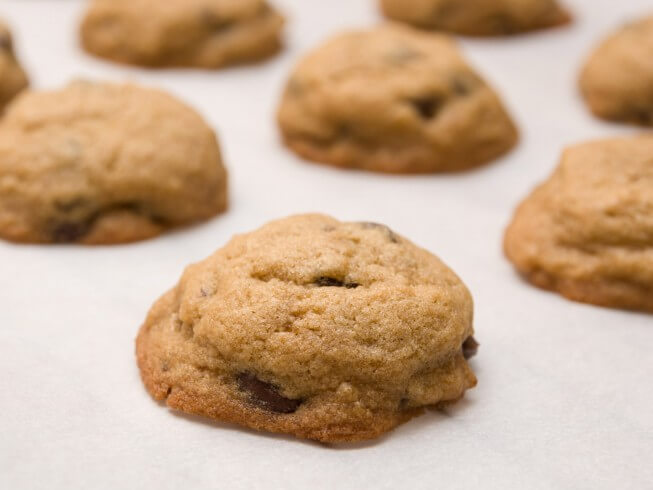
<point>617,80</point>
<point>478,17</point>
<point>98,163</point>
<point>396,100</point>
<point>309,326</point>
<point>12,77</point>
<point>587,232</point>
<point>185,33</point>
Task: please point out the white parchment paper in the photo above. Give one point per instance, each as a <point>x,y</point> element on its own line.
<point>565,394</point>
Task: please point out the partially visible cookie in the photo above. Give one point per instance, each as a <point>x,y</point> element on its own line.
<point>478,17</point>
<point>12,77</point>
<point>309,326</point>
<point>97,163</point>
<point>617,80</point>
<point>393,99</point>
<point>184,33</point>
<point>587,232</point>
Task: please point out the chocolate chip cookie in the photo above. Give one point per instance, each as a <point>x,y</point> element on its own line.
<point>12,77</point>
<point>587,232</point>
<point>97,163</point>
<point>396,100</point>
<point>183,33</point>
<point>309,326</point>
<point>617,80</point>
<point>478,17</point>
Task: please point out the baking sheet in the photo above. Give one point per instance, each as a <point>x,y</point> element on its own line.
<point>565,393</point>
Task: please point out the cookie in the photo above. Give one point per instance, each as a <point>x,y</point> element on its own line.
<point>587,232</point>
<point>309,326</point>
<point>97,163</point>
<point>478,17</point>
<point>395,100</point>
<point>12,77</point>
<point>617,80</point>
<point>182,33</point>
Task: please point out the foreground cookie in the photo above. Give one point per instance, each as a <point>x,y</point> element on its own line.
<point>12,76</point>
<point>393,100</point>
<point>192,33</point>
<point>478,17</point>
<point>617,80</point>
<point>308,326</point>
<point>102,163</point>
<point>588,231</point>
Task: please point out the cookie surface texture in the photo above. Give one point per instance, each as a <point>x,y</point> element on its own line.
<point>587,232</point>
<point>617,80</point>
<point>182,33</point>
<point>12,76</point>
<point>309,326</point>
<point>393,100</point>
<point>98,163</point>
<point>478,17</point>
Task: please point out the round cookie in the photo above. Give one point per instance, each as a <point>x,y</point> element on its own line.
<point>98,163</point>
<point>12,77</point>
<point>395,100</point>
<point>587,232</point>
<point>309,326</point>
<point>478,17</point>
<point>183,33</point>
<point>617,80</point>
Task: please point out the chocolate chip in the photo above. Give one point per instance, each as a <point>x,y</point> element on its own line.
<point>68,232</point>
<point>392,236</point>
<point>265,395</point>
<point>427,107</point>
<point>470,347</point>
<point>324,281</point>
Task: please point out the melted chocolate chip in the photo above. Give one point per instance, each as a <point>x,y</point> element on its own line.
<point>470,347</point>
<point>265,395</point>
<point>68,232</point>
<point>427,107</point>
<point>324,281</point>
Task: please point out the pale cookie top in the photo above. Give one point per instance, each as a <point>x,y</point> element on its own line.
<point>12,77</point>
<point>393,99</point>
<point>617,80</point>
<point>590,225</point>
<point>478,17</point>
<point>201,33</point>
<point>350,327</point>
<point>104,163</point>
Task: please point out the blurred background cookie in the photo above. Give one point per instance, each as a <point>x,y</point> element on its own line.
<point>393,99</point>
<point>587,232</point>
<point>184,33</point>
<point>478,17</point>
<point>99,163</point>
<point>617,80</point>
